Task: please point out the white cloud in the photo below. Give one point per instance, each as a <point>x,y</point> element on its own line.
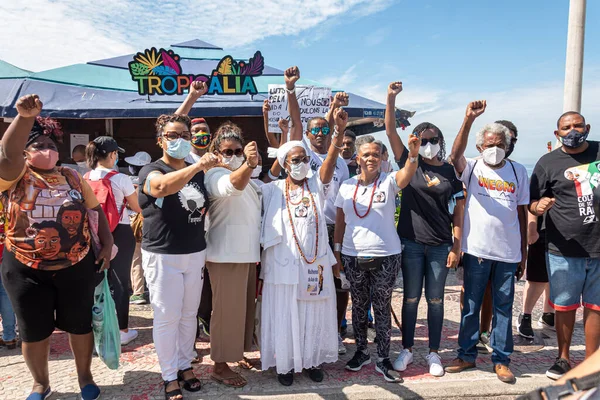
<point>377,36</point>
<point>45,34</point>
<point>346,79</point>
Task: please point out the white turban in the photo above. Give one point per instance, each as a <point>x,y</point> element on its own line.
<point>283,151</point>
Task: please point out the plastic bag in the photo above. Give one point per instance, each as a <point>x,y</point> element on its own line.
<point>107,337</point>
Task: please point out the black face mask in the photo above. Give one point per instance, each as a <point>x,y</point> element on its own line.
<point>511,148</point>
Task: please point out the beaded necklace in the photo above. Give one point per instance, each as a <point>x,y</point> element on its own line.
<point>370,202</point>
<point>287,205</point>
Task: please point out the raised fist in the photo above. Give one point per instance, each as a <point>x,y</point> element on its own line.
<point>341,99</point>
<point>341,119</point>
<point>414,144</point>
<point>251,153</point>
<point>284,125</point>
<point>266,107</point>
<point>198,89</point>
<point>291,76</point>
<point>475,109</point>
<point>395,88</point>
<point>29,106</point>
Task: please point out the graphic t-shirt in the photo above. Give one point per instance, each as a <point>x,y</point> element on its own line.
<point>428,203</point>
<point>340,174</point>
<point>46,217</point>
<point>491,228</point>
<point>173,224</point>
<point>572,227</point>
<point>374,234</point>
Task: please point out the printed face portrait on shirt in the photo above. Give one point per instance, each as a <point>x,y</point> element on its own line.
<point>301,211</point>
<point>379,197</point>
<point>48,239</point>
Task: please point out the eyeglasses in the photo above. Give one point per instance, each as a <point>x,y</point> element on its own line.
<point>174,135</point>
<point>230,153</point>
<point>298,160</point>
<point>433,140</point>
<point>324,130</point>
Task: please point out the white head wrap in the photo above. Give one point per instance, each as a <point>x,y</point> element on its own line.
<point>283,151</point>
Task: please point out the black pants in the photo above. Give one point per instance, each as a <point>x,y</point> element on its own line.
<point>205,308</point>
<point>119,274</point>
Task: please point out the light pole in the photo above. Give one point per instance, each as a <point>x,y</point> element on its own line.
<point>574,64</point>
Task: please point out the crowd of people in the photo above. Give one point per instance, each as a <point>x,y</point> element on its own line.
<point>204,228</point>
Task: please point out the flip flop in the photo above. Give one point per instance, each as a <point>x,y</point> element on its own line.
<point>40,396</point>
<point>227,381</point>
<point>245,364</point>
<point>90,392</point>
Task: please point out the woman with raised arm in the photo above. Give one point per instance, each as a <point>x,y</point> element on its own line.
<point>366,244</point>
<point>48,267</point>
<point>430,228</point>
<point>174,203</point>
<point>298,301</point>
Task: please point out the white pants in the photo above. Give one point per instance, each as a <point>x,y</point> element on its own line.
<point>175,285</point>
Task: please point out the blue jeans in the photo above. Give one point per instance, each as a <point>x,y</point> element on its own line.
<point>573,279</point>
<point>8,316</point>
<point>477,273</point>
<point>421,262</point>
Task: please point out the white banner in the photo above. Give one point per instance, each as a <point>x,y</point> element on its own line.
<point>313,101</point>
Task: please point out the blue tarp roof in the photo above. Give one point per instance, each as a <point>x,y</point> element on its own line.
<point>104,89</point>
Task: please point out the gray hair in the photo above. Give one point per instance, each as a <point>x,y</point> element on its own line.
<point>496,129</point>
<point>366,139</point>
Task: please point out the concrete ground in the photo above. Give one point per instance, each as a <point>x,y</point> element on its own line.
<point>138,377</point>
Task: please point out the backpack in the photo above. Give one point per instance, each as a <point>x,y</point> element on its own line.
<point>102,188</point>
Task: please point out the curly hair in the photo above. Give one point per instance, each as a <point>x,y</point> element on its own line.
<point>45,126</point>
<point>166,118</point>
<point>422,127</point>
<point>227,131</point>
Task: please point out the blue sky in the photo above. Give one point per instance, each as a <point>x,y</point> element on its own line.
<point>511,53</point>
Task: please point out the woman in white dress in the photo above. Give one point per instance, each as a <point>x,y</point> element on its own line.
<point>299,329</point>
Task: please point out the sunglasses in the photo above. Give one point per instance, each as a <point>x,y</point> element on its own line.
<point>324,130</point>
<point>231,153</point>
<point>174,135</point>
<point>433,140</point>
<point>298,160</point>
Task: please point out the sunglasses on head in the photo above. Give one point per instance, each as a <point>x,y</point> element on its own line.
<point>231,153</point>
<point>174,135</point>
<point>433,140</point>
<point>324,130</point>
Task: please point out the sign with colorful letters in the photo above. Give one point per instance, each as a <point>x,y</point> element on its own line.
<point>159,72</point>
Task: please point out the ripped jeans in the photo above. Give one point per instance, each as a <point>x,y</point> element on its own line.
<point>423,263</point>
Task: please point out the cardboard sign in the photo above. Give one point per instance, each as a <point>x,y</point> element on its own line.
<point>159,72</point>
<point>313,101</point>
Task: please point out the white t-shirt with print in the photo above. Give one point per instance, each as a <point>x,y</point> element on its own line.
<point>491,227</point>
<point>375,234</point>
<point>122,186</point>
<point>340,174</point>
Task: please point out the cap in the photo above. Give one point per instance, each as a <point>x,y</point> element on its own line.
<point>139,159</point>
<point>106,144</point>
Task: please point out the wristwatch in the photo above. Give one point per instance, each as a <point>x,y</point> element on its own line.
<point>336,133</point>
<point>250,166</point>
<point>412,159</point>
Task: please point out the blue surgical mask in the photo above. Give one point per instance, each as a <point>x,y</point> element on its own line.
<point>574,139</point>
<point>179,148</point>
<point>116,161</point>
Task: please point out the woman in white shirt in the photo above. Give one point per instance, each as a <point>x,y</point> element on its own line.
<point>233,249</point>
<point>368,247</point>
<point>102,157</point>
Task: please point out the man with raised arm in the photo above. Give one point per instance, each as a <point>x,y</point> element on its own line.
<point>494,238</point>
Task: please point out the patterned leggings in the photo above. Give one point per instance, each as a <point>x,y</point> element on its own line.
<point>376,287</point>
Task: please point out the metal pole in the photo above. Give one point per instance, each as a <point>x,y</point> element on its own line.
<point>574,64</point>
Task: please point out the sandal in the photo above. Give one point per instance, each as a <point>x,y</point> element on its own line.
<point>192,384</point>
<point>228,381</point>
<point>245,364</point>
<point>173,393</point>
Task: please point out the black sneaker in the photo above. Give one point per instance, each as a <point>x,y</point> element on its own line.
<point>316,374</point>
<point>386,369</point>
<point>359,360</point>
<point>560,367</point>
<point>286,379</point>
<point>546,321</point>
<point>524,327</point>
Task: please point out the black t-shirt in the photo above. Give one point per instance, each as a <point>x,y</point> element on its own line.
<point>425,214</point>
<point>174,224</point>
<point>572,227</point>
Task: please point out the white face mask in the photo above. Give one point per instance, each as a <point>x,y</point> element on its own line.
<point>256,172</point>
<point>82,164</point>
<point>299,171</point>
<point>493,155</point>
<point>429,151</point>
<point>233,162</point>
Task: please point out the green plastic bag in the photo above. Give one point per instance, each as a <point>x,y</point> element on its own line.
<point>107,337</point>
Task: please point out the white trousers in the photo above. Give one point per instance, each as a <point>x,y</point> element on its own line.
<point>175,285</point>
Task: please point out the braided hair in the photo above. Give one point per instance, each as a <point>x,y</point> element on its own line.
<point>422,127</point>
<point>166,118</point>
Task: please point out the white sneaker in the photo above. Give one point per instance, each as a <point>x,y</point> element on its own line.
<point>341,347</point>
<point>435,364</point>
<point>128,337</point>
<point>404,358</point>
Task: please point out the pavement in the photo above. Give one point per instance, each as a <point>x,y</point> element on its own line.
<point>138,377</point>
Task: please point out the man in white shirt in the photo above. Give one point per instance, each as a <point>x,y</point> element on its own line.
<point>494,238</point>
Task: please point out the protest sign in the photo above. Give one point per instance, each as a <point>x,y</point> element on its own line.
<point>313,101</point>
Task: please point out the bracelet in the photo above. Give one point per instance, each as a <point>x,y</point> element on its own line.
<point>292,90</point>
<point>337,247</point>
<point>336,133</point>
<point>336,146</point>
<point>272,177</point>
<point>251,167</point>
